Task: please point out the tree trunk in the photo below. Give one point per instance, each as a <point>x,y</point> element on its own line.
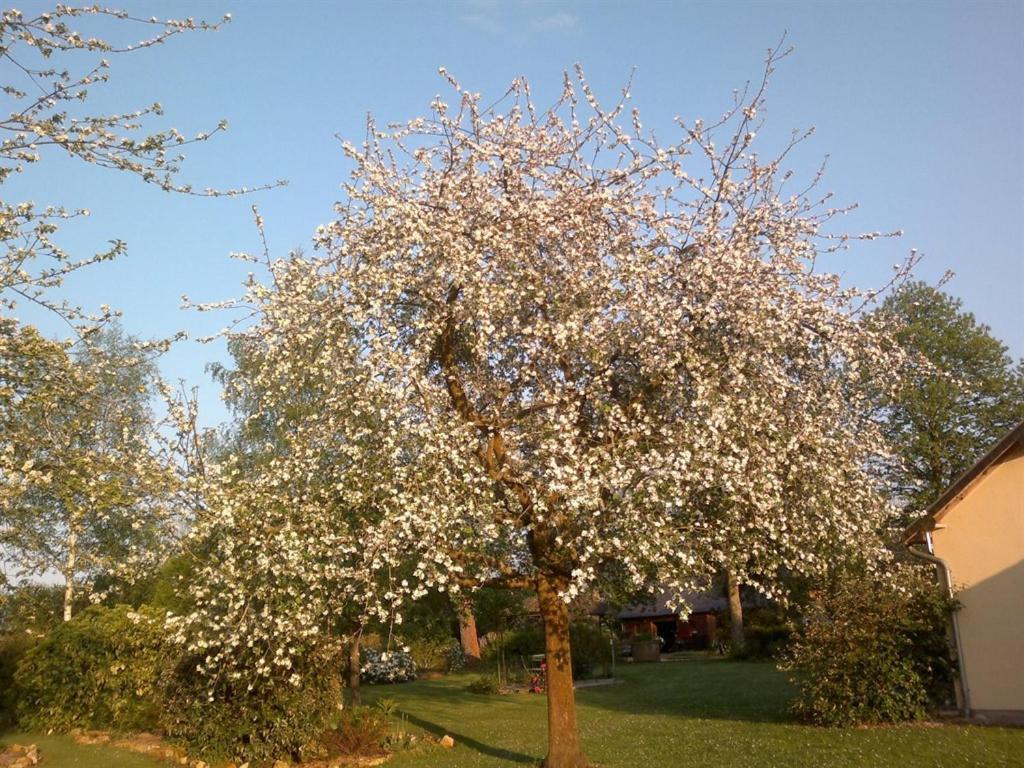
<point>354,663</point>
<point>735,613</point>
<point>564,749</point>
<point>467,630</point>
<point>69,573</point>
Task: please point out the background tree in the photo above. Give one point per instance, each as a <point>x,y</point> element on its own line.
<point>51,70</point>
<point>87,488</point>
<point>964,395</point>
<point>556,328</point>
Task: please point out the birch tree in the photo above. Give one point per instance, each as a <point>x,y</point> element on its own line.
<point>557,329</point>
<point>87,489</point>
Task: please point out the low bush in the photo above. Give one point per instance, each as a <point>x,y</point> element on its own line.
<point>362,732</point>
<point>872,650</point>
<point>591,649</point>
<point>484,684</point>
<point>232,719</point>
<point>522,642</point>
<point>12,648</point>
<point>438,654</point>
<point>766,634</point>
<point>100,670</point>
<point>387,666</point>
<point>591,646</point>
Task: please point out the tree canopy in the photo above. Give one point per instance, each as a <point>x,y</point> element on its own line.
<point>964,394</point>
<point>543,343</point>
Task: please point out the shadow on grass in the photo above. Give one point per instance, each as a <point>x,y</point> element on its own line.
<point>710,689</point>
<point>479,746</point>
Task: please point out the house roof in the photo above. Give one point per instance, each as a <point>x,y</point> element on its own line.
<point>698,602</point>
<point>915,532</point>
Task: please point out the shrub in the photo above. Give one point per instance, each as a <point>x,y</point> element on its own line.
<point>362,731</point>
<point>440,654</point>
<point>12,647</point>
<point>591,648</point>
<point>766,634</point>
<point>271,720</point>
<point>484,684</point>
<point>872,651</point>
<point>99,670</point>
<point>387,666</point>
<point>522,642</point>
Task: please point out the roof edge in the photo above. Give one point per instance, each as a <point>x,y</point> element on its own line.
<point>926,522</point>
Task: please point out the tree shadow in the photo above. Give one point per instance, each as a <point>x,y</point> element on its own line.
<point>486,749</point>
<point>753,692</point>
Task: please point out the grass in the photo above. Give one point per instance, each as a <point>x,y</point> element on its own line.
<point>710,712</point>
<point>706,711</point>
<point>59,751</point>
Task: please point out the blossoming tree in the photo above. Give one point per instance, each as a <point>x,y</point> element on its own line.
<point>567,346</point>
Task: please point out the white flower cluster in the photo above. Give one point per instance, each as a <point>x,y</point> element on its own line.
<point>387,667</point>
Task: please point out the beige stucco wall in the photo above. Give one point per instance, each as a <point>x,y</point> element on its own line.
<point>981,538</point>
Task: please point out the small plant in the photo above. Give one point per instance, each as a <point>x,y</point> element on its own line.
<point>387,706</point>
<point>362,731</point>
<point>484,684</point>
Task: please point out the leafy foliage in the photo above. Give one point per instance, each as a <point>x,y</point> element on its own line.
<point>102,669</point>
<point>872,650</point>
<point>89,478</point>
<point>486,685</point>
<point>442,654</point>
<point>964,395</point>
<point>239,721</point>
<point>361,731</point>
<point>590,646</point>
<point>766,634</point>
<point>13,646</point>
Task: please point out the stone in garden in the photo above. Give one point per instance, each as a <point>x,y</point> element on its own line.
<point>447,741</point>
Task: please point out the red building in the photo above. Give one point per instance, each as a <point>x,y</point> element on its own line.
<point>695,632</point>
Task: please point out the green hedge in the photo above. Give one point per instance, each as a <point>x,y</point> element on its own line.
<point>591,646</point>
<point>873,650</point>
<point>99,670</point>
<point>12,648</point>
<point>274,719</point>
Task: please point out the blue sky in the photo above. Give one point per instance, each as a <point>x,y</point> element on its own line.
<point>920,106</point>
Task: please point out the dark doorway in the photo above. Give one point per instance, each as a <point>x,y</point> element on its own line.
<point>667,633</point>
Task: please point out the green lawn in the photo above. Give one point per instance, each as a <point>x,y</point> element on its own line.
<point>63,752</point>
<point>710,712</point>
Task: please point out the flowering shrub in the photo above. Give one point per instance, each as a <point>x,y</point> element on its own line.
<point>387,666</point>
<point>455,659</point>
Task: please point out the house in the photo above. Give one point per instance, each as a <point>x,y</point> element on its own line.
<point>657,618</point>
<point>974,534</point>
